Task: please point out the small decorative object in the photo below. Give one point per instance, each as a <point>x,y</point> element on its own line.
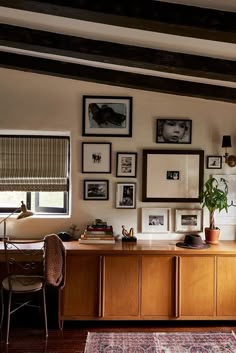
<point>107,116</point>
<point>214,197</point>
<point>128,236</point>
<point>174,131</point>
<point>214,162</point>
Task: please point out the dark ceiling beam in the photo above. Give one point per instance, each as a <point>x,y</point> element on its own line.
<point>153,16</point>
<point>118,54</point>
<point>116,78</point>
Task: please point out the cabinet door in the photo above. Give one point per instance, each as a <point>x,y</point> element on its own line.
<point>80,297</point>
<point>158,286</point>
<point>121,286</point>
<point>197,286</point>
<point>226,286</point>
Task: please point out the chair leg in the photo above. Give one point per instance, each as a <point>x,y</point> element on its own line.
<point>8,315</point>
<point>2,309</point>
<point>45,312</point>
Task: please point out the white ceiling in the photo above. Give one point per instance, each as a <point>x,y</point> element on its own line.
<point>226,5</point>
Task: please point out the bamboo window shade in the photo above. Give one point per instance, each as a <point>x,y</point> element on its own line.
<point>32,163</point>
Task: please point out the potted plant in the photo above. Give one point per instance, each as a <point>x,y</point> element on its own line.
<point>214,197</point>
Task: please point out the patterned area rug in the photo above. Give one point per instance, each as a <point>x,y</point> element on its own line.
<point>180,342</point>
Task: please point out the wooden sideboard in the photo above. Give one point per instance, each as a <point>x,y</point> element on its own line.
<point>149,280</point>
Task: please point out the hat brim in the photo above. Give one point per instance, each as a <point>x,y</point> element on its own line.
<point>184,245</point>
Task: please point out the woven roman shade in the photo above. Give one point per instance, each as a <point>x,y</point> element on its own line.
<point>34,163</point>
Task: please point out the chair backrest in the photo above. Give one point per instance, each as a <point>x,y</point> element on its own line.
<point>23,258</point>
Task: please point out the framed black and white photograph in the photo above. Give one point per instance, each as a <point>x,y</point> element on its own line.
<point>96,190</point>
<point>96,157</point>
<point>172,175</point>
<point>126,195</point>
<point>107,116</point>
<point>126,164</point>
<point>155,220</point>
<point>214,162</point>
<point>188,220</point>
<point>174,131</point>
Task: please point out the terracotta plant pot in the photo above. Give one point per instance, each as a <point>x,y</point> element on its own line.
<point>212,236</point>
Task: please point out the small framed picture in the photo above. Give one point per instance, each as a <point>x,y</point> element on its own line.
<point>107,116</point>
<point>188,220</point>
<point>214,162</point>
<point>96,190</point>
<point>96,157</point>
<point>174,131</point>
<point>126,195</point>
<point>155,220</point>
<point>126,164</point>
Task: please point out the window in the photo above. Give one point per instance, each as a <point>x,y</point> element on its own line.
<point>34,169</point>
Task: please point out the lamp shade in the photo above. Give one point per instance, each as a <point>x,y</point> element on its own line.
<point>226,141</point>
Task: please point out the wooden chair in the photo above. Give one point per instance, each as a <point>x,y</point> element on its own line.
<point>30,267</point>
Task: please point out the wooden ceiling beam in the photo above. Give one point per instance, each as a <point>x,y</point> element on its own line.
<point>116,78</point>
<point>153,16</point>
<point>118,54</point>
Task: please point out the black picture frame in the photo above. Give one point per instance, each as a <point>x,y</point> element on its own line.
<point>107,116</point>
<point>157,187</point>
<point>125,195</point>
<point>96,157</point>
<point>126,164</point>
<point>174,131</point>
<point>214,162</point>
<point>96,189</point>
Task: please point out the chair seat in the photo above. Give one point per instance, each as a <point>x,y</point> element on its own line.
<point>23,283</point>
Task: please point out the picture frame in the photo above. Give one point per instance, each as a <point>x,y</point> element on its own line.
<point>107,116</point>
<point>156,220</point>
<point>126,164</point>
<point>177,131</point>
<point>188,220</point>
<point>160,168</point>
<point>96,157</point>
<point>214,162</point>
<point>125,195</point>
<point>96,189</point>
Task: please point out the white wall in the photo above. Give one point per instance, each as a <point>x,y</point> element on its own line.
<point>38,102</point>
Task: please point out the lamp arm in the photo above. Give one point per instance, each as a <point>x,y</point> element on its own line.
<point>3,220</point>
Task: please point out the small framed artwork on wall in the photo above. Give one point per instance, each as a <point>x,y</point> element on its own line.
<point>126,164</point>
<point>155,220</point>
<point>96,157</point>
<point>214,162</point>
<point>96,190</point>
<point>107,116</point>
<point>126,195</point>
<point>174,131</point>
<point>188,220</point>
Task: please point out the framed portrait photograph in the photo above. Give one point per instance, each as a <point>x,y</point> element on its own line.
<point>172,175</point>
<point>174,131</point>
<point>96,157</point>
<point>155,220</point>
<point>96,190</point>
<point>126,195</point>
<point>188,220</point>
<point>126,164</point>
<point>214,162</point>
<point>107,116</point>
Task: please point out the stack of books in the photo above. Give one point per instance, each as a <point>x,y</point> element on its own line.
<point>97,234</point>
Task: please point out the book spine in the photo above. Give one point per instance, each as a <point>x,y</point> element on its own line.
<point>98,232</point>
<point>85,236</point>
<point>99,229</point>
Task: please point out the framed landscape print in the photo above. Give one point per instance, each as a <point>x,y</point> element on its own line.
<point>96,157</point>
<point>172,175</point>
<point>126,195</point>
<point>155,220</point>
<point>107,116</point>
<point>214,162</point>
<point>188,220</point>
<point>126,164</point>
<point>96,190</point>
<point>174,131</point>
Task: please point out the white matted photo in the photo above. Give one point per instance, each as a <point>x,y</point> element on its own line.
<point>126,164</point>
<point>188,220</point>
<point>155,220</point>
<point>96,157</point>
